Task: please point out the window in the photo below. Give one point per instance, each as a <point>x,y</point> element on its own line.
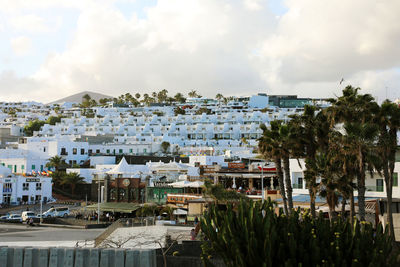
<point>63,151</point>
<point>74,151</point>
<point>108,151</point>
<point>379,185</point>
<point>25,186</point>
<point>7,187</point>
<point>82,151</point>
<point>120,151</point>
<point>41,168</point>
<point>395,179</point>
<point>98,151</point>
<point>38,186</point>
<point>130,150</point>
<point>33,166</point>
<point>22,167</point>
<point>90,152</point>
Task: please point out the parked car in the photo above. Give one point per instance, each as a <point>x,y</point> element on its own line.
<point>26,215</point>
<point>14,218</point>
<point>57,212</point>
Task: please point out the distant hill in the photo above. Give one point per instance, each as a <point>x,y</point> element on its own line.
<point>77,98</point>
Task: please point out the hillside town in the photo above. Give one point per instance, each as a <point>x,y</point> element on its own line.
<point>167,160</point>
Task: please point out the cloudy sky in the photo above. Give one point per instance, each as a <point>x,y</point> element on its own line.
<point>54,48</point>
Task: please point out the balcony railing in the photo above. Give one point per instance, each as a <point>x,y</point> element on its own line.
<point>297,186</point>
<point>375,188</point>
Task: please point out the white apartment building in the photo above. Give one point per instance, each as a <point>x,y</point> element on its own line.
<point>375,185</point>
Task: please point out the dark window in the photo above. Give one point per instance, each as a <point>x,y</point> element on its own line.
<point>82,151</point>
<point>74,151</point>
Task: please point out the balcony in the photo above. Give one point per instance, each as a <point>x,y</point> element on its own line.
<point>375,188</point>
<point>297,186</point>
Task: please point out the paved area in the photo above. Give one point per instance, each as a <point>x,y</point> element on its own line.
<point>21,235</point>
<point>145,237</point>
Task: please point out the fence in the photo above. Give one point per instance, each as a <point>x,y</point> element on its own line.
<point>75,257</point>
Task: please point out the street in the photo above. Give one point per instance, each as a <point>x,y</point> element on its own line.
<point>21,235</point>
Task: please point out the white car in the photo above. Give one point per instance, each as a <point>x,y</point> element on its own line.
<point>26,215</point>
<point>57,212</point>
<point>14,218</point>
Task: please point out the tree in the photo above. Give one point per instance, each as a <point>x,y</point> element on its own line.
<point>33,126</point>
<point>388,122</point>
<point>270,147</point>
<point>165,146</point>
<point>193,93</point>
<point>361,133</point>
<point>137,95</point>
<point>180,98</point>
<point>72,179</point>
<point>311,130</point>
<point>162,96</point>
<point>52,120</point>
<point>86,98</point>
<point>56,162</point>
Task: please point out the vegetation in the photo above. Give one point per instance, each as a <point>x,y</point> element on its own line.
<point>340,144</point>
<point>72,179</point>
<point>253,234</point>
<point>165,146</point>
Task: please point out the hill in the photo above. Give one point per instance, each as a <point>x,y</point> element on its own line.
<point>77,98</point>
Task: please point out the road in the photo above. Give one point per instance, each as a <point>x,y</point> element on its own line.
<point>21,235</point>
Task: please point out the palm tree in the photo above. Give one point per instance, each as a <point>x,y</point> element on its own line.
<point>361,133</point>
<point>311,131</point>
<point>388,121</point>
<point>56,162</point>
<point>137,95</point>
<point>287,144</point>
<point>180,98</point>
<point>193,93</point>
<point>270,146</point>
<point>72,179</point>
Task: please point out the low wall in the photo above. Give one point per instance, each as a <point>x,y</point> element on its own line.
<point>75,257</point>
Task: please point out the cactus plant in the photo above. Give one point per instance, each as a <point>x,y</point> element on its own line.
<point>250,233</point>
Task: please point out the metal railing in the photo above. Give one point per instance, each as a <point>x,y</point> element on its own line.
<point>297,186</point>
<point>375,188</point>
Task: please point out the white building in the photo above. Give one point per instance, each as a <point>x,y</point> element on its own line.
<point>375,185</point>
<point>19,189</point>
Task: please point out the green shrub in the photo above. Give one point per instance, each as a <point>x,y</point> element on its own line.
<point>252,234</point>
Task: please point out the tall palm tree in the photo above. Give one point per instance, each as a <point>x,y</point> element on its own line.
<point>388,122</point>
<point>270,146</point>
<point>311,130</point>
<point>288,143</point>
<point>72,179</point>
<point>356,111</point>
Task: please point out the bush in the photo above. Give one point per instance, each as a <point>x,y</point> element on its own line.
<point>252,234</point>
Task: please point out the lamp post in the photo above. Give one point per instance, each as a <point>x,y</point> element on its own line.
<point>98,201</point>
<point>262,184</point>
<point>41,201</point>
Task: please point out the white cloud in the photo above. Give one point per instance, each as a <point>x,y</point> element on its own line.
<point>30,23</point>
<point>21,45</point>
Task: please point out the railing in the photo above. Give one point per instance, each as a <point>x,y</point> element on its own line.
<point>297,186</point>
<point>375,188</point>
